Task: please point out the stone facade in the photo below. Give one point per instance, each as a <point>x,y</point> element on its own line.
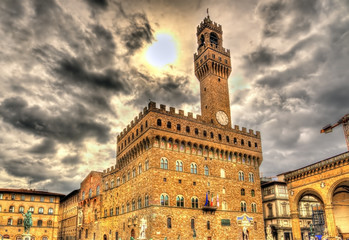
<point>45,212</point>
<point>68,219</point>
<point>328,182</point>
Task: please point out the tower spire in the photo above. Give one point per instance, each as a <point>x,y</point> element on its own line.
<point>208,15</point>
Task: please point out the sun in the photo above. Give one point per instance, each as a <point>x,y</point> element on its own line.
<point>163,51</point>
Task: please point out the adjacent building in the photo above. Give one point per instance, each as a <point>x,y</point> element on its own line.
<point>43,205</point>
<point>68,216</point>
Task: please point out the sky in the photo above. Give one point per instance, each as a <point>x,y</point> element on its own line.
<point>75,73</point>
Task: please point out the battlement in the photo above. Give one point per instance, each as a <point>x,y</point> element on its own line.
<point>208,23</point>
<point>221,50</point>
<point>110,170</point>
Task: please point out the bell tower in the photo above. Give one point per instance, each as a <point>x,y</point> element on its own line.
<point>212,68</point>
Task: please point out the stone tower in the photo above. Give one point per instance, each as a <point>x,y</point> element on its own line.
<point>212,68</point>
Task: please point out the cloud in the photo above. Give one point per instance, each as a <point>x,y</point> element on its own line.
<point>47,146</point>
<point>103,4</point>
<point>70,126</point>
<point>71,160</point>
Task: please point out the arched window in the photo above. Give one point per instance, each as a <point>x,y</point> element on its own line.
<point>205,133</point>
<point>242,142</point>
<point>9,221</point>
<point>122,209</point>
<point>222,173</point>
<point>213,38</point>
<point>19,222</point>
<point>123,178</point>
<point>41,210</point>
<point>39,223</point>
<point>140,168</point>
<point>243,206</point>
<point>193,168</point>
<point>50,211</point>
<point>250,177</point>
<point>194,202</point>
<point>128,205</point>
<point>179,166</point>
<point>254,207</point>
<point>187,129</point>
<point>133,172</point>
<point>180,201</point>
<point>111,183</point>
<point>249,143</point>
<point>159,122</point>
<point>178,127</point>
<point>219,137</point>
<point>146,201</point>
<point>224,205</point>
<point>146,165</point>
<point>139,203</point>
<point>206,171</point>
<point>192,223</point>
<point>164,163</point>
<point>241,176</point>
<point>235,141</point>
<point>95,214</point>
<point>133,204</point>
<point>128,176</point>
<point>202,40</point>
<point>211,133</point>
<point>227,138</point>
<point>196,131</point>
<point>242,191</point>
<point>106,186</point>
<point>11,209</point>
<point>21,209</point>
<point>146,124</point>
<point>97,189</point>
<point>49,223</point>
<point>270,210</point>
<point>169,125</point>
<point>208,225</point>
<point>164,200</point>
<point>46,238</point>
<point>90,193</point>
<point>252,193</point>
<point>223,190</point>
<point>255,145</point>
<point>31,209</point>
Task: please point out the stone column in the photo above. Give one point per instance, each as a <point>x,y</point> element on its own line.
<point>296,229</point>
<point>330,221</point>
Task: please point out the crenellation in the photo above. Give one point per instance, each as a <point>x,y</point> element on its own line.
<point>172,110</point>
<point>244,130</point>
<point>190,114</point>
<point>180,112</point>
<point>151,105</point>
<point>236,127</point>
<point>163,107</point>
<point>251,131</point>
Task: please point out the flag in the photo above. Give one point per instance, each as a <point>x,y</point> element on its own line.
<point>212,200</point>
<point>217,201</point>
<point>206,202</point>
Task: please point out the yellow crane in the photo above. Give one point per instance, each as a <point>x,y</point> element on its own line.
<point>345,122</point>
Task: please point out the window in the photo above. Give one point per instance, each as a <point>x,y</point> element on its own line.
<point>211,133</point>
<point>128,207</point>
<point>133,204</point>
<point>241,176</point>
<point>146,124</point>
<point>95,214</point>
<point>223,190</point>
<point>164,200</point>
<point>243,206</point>
<point>23,197</point>
<point>111,211</point>
<point>105,212</point>
<point>128,176</point>
<point>222,173</point>
<point>235,141</point>
<point>242,142</point>
<point>123,209</point>
<point>21,209</point>
<point>179,166</point>
<point>254,207</point>
<point>270,210</point>
<point>39,223</point>
<point>133,172</point>
<point>13,197</point>
<point>224,205</point>
<point>196,131</point>
<point>50,211</point>
<point>178,127</point>
<point>227,138</point>
<point>31,209</point>
<point>139,203</point>
<point>206,171</point>
<point>187,129</point>
<point>90,193</point>
<point>9,221</point>
<point>116,211</point>
<point>205,134</point>
<point>97,189</point>
<point>49,223</point>
<point>164,163</point>
<point>219,137</point>
<point>252,193</point>
<point>111,184</point>
<point>11,209</point>
<point>1,195</point>
<point>208,225</point>
<point>242,191</point>
<point>192,223</point>
<point>250,177</point>
<point>124,178</point>
<point>41,210</point>
<point>159,122</point>
<point>19,221</point>
<point>249,143</point>
<point>52,199</point>
<point>180,201</point>
<point>169,124</point>
<point>193,168</point>
<point>194,202</point>
<point>139,168</point>
<point>106,186</point>
<point>255,145</point>
<point>42,199</point>
<point>83,196</point>
<point>146,201</point>
<point>169,224</point>
<point>146,166</point>
<point>86,233</point>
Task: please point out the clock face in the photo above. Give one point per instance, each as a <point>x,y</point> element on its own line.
<point>222,118</point>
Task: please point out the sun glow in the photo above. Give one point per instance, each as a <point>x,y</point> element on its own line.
<point>163,51</point>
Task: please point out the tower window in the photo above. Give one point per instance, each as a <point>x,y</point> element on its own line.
<point>200,60</point>
<point>196,131</point>
<point>146,124</point>
<point>219,58</point>
<point>159,122</point>
<point>206,106</point>
<point>213,56</point>
<point>178,127</point>
<point>205,57</point>
<point>219,79</point>
<point>205,134</point>
<point>242,142</point>
<point>142,126</point>
<point>202,40</point>
<point>220,137</point>
<point>211,134</point>
<point>169,124</point>
<point>227,137</point>
<point>226,61</point>
<point>235,141</point>
<point>255,145</point>
<point>187,129</point>
<point>213,38</point>
<point>249,143</point>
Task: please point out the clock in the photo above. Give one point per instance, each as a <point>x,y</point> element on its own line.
<point>222,118</point>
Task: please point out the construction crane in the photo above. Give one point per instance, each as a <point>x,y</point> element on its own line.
<point>345,122</point>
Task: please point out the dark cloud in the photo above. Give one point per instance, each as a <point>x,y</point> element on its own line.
<point>103,4</point>
<point>73,125</point>
<point>71,160</point>
<point>47,146</point>
<point>170,90</point>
